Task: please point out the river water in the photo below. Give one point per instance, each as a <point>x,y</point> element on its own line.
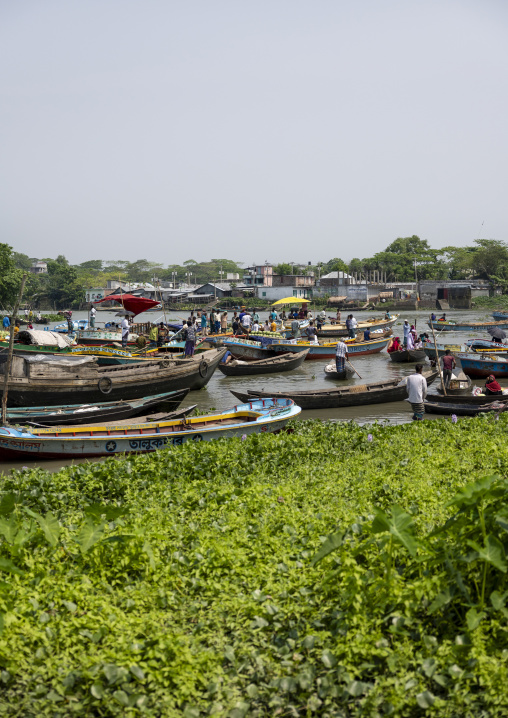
<point>372,368</point>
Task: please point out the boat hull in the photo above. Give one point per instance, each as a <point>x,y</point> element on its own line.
<point>463,409</point>
<point>340,330</point>
<point>473,327</point>
<point>478,366</point>
<point>328,350</point>
<point>282,363</point>
<point>117,382</point>
<point>267,416</point>
<point>408,355</point>
<point>378,393</point>
<point>77,414</point>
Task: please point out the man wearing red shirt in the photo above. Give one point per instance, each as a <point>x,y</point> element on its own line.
<point>448,364</point>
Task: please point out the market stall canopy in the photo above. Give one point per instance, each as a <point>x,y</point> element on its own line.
<point>136,305</point>
<point>291,300</point>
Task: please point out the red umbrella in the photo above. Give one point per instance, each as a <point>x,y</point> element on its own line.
<point>133,304</point>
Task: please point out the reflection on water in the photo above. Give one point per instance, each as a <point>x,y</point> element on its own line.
<point>372,368</point>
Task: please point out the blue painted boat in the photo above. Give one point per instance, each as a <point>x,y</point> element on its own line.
<point>471,327</point>
<point>430,349</point>
<point>256,416</point>
<point>500,316</point>
<point>482,345</point>
<point>327,349</point>
<point>482,365</point>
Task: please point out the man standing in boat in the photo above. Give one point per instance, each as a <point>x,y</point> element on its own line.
<point>93,312</point>
<point>448,364</point>
<point>407,330</point>
<point>341,354</point>
<point>416,386</point>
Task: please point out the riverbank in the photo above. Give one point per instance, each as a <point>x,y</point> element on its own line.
<point>185,583</point>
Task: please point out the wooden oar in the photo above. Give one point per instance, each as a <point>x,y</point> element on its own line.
<point>352,367</point>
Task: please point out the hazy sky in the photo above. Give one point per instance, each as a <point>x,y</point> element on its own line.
<point>268,130</point>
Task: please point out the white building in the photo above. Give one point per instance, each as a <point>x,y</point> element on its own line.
<point>272,294</point>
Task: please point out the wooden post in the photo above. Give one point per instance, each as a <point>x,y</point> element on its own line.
<point>437,356</point>
<point>11,351</point>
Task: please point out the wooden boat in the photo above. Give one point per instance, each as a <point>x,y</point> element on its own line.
<point>332,373</point>
<point>327,350</point>
<point>481,365</point>
<point>460,385</point>
<point>271,365</point>
<point>408,355</point>
<point>358,395</point>
<point>103,336</point>
<point>37,381</point>
<point>484,345</point>
<point>500,315</point>
<point>471,327</point>
<point>432,407</point>
<point>246,349</point>
<point>430,349</point>
<point>89,413</point>
<point>476,399</point>
<point>340,330</point>
<point>252,417</point>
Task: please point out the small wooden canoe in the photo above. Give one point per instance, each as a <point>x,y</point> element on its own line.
<point>332,373</point>
<point>253,417</point>
<point>408,355</point>
<point>272,365</point>
<point>476,400</point>
<point>464,409</point>
<point>333,398</point>
<point>66,414</point>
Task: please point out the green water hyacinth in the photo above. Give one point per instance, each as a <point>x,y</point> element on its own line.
<point>308,573</point>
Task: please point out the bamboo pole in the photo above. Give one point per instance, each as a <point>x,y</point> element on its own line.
<point>437,356</point>
<point>352,367</point>
<point>162,302</point>
<point>11,352</point>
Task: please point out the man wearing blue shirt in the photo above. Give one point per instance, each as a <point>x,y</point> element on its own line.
<point>6,322</point>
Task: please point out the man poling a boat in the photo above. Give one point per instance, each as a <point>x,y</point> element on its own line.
<point>341,355</point>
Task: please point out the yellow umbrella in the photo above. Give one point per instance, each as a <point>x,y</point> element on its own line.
<point>291,300</point>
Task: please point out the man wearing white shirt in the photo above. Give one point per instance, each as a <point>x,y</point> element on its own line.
<point>416,386</point>
<point>93,312</point>
<point>246,323</point>
<point>125,332</point>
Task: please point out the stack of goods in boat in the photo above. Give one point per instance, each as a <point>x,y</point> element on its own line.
<point>252,417</point>
<point>38,380</point>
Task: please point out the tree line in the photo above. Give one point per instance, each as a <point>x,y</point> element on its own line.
<point>64,284</point>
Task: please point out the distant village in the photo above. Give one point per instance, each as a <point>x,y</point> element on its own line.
<point>334,288</point>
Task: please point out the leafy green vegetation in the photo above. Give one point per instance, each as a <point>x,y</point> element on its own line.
<point>334,571</point>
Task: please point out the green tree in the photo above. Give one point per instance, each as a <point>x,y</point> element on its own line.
<point>283,268</point>
<point>94,264</point>
<point>335,265</point>
<point>11,277</point>
<point>490,258</point>
<point>22,261</point>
